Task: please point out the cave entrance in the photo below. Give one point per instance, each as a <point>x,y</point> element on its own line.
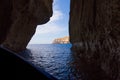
<point>57,27</point>
<point>51,57</point>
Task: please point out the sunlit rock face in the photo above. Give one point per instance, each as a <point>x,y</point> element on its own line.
<point>63,40</point>
<point>95,35</point>
<point>18,21</point>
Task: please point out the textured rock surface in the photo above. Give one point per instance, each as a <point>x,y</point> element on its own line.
<point>18,21</point>
<point>5,20</point>
<point>95,34</point>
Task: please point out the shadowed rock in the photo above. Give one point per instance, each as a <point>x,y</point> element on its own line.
<point>5,18</point>
<point>20,19</point>
<point>95,34</point>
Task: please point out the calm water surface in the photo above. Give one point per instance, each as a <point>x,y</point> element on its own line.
<point>53,58</point>
<point>62,63</point>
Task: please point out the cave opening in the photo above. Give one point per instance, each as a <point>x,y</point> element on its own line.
<point>49,48</point>
<point>57,27</point>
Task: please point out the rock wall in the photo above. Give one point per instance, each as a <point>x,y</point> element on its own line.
<point>95,35</point>
<point>18,21</point>
<point>5,20</point>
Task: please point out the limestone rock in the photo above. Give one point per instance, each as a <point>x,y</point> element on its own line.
<point>95,34</point>
<point>19,19</point>
<point>63,40</point>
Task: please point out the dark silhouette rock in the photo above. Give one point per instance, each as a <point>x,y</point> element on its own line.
<point>94,33</point>
<point>18,21</point>
<point>5,18</point>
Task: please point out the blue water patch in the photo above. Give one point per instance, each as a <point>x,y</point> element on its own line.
<point>53,58</point>
<point>59,61</point>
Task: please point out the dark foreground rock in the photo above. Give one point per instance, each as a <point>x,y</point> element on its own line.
<point>18,21</point>
<point>95,35</point>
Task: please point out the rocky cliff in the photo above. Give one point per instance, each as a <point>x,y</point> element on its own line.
<point>63,40</point>
<point>95,35</point>
<point>18,21</point>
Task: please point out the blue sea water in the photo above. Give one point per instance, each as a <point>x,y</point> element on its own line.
<point>53,58</point>
<point>59,61</point>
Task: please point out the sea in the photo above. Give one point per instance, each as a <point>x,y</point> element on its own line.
<point>56,59</point>
<point>62,63</point>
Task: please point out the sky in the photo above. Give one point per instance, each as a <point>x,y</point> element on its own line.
<point>57,26</point>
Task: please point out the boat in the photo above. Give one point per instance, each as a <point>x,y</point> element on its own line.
<point>15,67</point>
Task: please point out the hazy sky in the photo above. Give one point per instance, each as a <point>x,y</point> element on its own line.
<point>56,27</point>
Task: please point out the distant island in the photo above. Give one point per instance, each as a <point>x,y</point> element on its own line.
<point>63,40</point>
